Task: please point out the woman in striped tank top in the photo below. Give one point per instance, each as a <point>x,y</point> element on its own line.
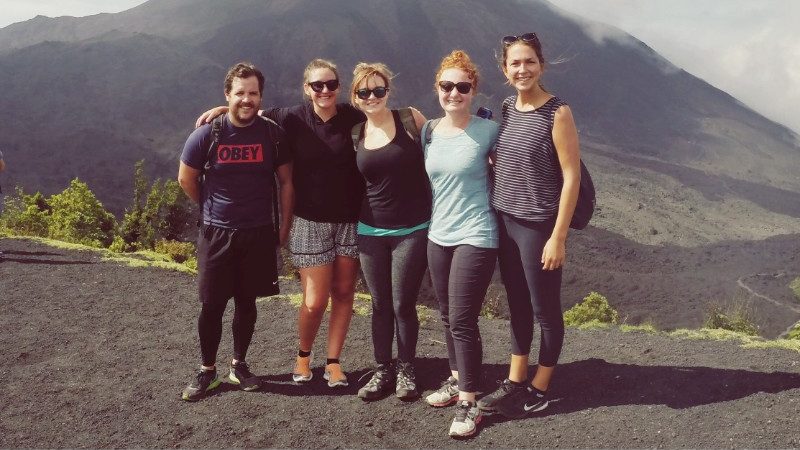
<point>535,189</point>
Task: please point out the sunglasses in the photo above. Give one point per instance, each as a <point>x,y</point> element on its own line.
<point>529,38</point>
<point>379,92</point>
<point>463,87</point>
<point>318,86</point>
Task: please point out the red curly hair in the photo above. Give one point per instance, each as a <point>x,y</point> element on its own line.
<point>458,59</point>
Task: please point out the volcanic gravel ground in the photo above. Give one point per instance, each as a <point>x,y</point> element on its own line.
<point>95,354</point>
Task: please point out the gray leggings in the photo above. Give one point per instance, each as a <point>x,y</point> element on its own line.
<point>393,267</point>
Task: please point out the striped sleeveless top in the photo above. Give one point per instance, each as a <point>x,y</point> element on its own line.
<point>527,176</point>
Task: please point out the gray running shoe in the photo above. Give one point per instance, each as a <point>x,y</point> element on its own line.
<point>446,395</point>
<point>379,385</point>
<point>406,387</point>
<point>204,382</point>
<point>241,375</point>
<point>465,424</point>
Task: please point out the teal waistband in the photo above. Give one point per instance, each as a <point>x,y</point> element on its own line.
<point>367,230</point>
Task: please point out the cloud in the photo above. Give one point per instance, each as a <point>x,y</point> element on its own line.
<point>748,49</point>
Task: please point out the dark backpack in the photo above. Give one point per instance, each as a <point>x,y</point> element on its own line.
<point>275,134</point>
<point>584,207</point>
<point>406,118</point>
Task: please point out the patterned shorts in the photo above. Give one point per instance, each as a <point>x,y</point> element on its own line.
<point>319,243</point>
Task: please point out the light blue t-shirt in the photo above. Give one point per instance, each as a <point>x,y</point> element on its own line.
<point>458,167</point>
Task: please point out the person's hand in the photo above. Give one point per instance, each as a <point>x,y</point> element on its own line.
<point>553,254</point>
<point>210,115</point>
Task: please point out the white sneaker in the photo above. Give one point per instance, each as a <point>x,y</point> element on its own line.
<point>468,416</point>
<point>445,395</point>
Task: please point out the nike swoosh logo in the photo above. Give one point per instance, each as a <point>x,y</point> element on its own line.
<point>534,406</point>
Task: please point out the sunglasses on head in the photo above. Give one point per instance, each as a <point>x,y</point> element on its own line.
<point>318,86</point>
<point>379,92</point>
<point>463,87</point>
<point>529,38</point>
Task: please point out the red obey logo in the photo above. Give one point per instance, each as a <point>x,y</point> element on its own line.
<point>229,154</point>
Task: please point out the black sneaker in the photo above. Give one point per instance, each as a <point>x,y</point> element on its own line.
<point>241,375</point>
<point>507,387</point>
<point>406,387</point>
<point>379,385</point>
<point>522,403</point>
<point>205,381</point>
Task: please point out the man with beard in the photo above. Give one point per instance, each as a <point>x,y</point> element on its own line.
<point>236,159</point>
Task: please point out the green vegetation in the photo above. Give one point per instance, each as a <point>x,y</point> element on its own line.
<point>736,319</point>
<point>795,287</point>
<point>593,312</point>
<point>158,217</point>
<point>794,333</point>
<point>643,328</point>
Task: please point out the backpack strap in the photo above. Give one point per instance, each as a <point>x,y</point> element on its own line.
<point>429,130</point>
<point>357,132</point>
<point>275,135</point>
<point>216,133</point>
<point>410,125</point>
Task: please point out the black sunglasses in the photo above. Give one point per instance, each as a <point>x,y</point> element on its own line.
<point>463,87</point>
<point>317,86</point>
<point>529,38</point>
<point>379,92</point>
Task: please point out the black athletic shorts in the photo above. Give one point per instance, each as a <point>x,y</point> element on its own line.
<point>240,263</point>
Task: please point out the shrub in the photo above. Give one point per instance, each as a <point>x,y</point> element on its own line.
<point>163,213</point>
<point>794,333</point>
<point>795,287</point>
<point>594,307</point>
<point>78,217</point>
<point>27,215</point>
<point>737,319</point>
<point>179,251</point>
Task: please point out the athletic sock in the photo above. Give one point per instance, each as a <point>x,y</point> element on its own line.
<point>333,361</point>
<point>303,354</point>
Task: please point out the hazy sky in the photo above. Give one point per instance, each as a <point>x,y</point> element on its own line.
<point>748,48</point>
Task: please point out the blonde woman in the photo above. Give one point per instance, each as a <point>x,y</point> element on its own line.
<point>392,228</point>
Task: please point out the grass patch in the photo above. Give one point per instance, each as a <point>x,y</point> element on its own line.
<point>56,244</point>
<point>648,328</point>
<point>424,314</point>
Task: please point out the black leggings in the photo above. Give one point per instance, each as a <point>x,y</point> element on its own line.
<point>531,291</point>
<point>238,264</point>
<point>393,267</point>
<point>209,326</point>
<point>460,277</point>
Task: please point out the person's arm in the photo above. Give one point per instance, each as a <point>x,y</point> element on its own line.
<point>284,173</point>
<point>210,115</point>
<point>189,179</point>
<point>419,118</point>
<point>2,165</point>
<point>565,138</point>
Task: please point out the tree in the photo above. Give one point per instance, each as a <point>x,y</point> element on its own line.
<point>77,216</point>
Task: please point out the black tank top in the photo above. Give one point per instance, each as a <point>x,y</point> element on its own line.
<point>398,190</point>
